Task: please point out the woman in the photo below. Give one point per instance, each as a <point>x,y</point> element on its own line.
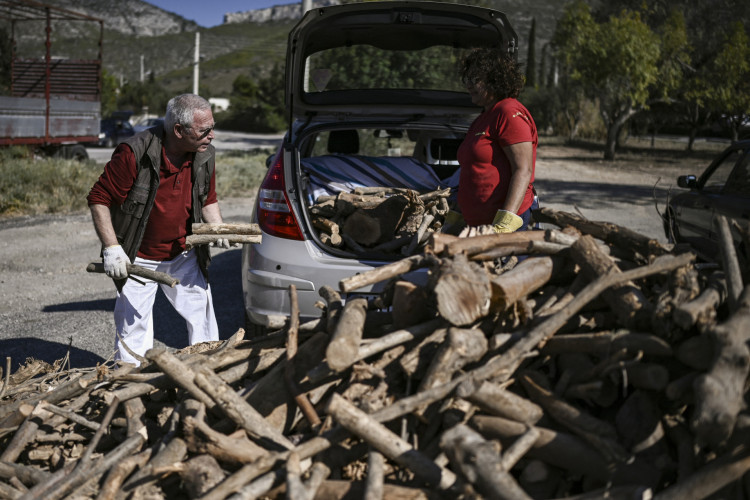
<point>498,155</point>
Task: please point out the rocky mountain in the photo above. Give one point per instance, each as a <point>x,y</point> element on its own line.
<point>287,12</point>
<point>129,17</point>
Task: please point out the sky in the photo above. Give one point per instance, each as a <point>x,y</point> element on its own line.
<point>210,13</point>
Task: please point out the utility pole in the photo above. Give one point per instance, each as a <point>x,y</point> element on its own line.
<point>142,68</point>
<point>196,61</point>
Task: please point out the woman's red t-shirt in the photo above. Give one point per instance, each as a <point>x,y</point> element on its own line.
<point>485,170</point>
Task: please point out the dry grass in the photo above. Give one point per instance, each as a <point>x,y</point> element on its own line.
<point>34,186</point>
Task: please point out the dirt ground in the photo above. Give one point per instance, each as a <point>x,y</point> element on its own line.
<point>49,304</point>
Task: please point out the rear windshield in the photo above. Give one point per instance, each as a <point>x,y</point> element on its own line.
<point>363,67</point>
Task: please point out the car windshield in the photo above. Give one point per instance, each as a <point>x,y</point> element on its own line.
<point>719,176</point>
<point>364,67</point>
<point>739,180</point>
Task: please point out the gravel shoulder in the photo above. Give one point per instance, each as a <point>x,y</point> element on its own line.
<point>49,304</point>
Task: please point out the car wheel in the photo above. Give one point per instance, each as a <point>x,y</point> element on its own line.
<point>109,143</point>
<point>76,152</point>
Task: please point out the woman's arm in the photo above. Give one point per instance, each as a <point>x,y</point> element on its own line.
<point>520,156</point>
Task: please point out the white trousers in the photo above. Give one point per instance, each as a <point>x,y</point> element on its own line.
<point>191,298</point>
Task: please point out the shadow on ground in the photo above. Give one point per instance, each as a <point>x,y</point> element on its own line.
<point>20,349</point>
<point>169,326</point>
<point>606,195</point>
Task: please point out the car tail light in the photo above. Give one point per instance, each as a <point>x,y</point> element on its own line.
<point>275,215</point>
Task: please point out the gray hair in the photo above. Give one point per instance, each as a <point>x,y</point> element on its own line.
<point>180,109</point>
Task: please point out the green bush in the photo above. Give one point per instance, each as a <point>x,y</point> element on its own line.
<point>30,186</point>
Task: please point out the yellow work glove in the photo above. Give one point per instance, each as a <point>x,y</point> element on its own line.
<point>453,218</point>
<point>454,222</point>
<point>506,222</point>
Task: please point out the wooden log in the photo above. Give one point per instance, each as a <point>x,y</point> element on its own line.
<point>709,479</point>
<point>194,240</point>
<point>25,433</point>
<point>296,488</point>
<point>720,393</point>
<point>344,344</point>
<point>730,263</point>
<point>239,411</point>
<point>174,451</point>
<point>601,343</point>
<point>17,417</point>
<point>461,347</point>
<point>701,311</point>
<point>531,248</point>
<point>226,228</point>
<point>639,425</point>
<point>8,491</point>
<point>136,270</point>
<point>369,226</point>
<point>513,454</point>
<point>180,373</point>
<point>462,291</point>
<point>410,304</point>
<point>87,470</point>
<point>269,396</point>
<point>611,233</point>
<point>198,474</point>
<point>117,474</point>
<point>201,438</point>
<point>389,444</point>
<point>479,463</point>
<point>134,411</point>
<point>501,402</point>
<point>375,476</point>
<point>383,273</point>
<point>334,489</point>
<point>596,432</point>
<point>525,278</point>
<point>627,301</point>
<point>450,246</point>
<point>648,376</point>
<point>290,376</point>
<point>557,448</point>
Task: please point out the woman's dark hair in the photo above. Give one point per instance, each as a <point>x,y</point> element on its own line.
<point>500,73</point>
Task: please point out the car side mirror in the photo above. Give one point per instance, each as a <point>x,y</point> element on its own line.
<point>687,181</point>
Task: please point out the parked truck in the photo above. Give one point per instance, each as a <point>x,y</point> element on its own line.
<point>54,103</point>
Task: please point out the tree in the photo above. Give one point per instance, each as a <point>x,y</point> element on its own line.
<point>731,79</point>
<point>109,93</point>
<point>531,58</point>
<point>616,62</point>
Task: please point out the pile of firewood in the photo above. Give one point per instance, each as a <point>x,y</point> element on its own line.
<point>599,364</point>
<point>386,221</point>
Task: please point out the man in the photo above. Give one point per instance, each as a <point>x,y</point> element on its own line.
<point>156,185</point>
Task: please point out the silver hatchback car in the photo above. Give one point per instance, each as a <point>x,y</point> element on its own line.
<point>374,101</point>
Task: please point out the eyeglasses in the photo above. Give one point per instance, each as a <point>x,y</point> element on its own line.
<point>203,133</point>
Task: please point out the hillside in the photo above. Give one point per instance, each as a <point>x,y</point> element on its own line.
<point>247,43</point>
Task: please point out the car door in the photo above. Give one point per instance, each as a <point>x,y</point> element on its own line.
<point>698,213</point>
<point>734,202</point>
